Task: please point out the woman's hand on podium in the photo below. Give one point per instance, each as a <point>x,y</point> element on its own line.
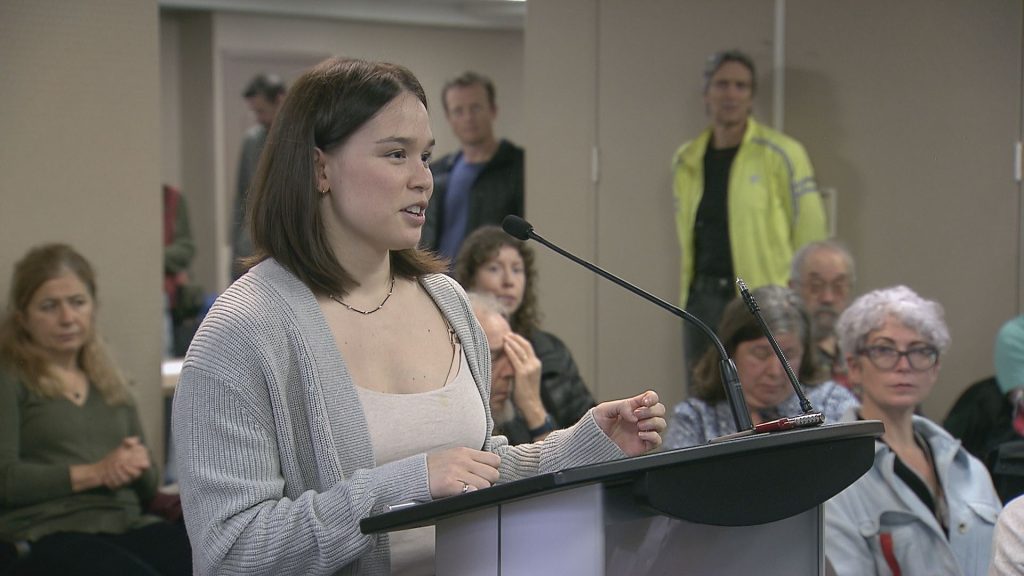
<point>634,424</point>
<point>460,470</point>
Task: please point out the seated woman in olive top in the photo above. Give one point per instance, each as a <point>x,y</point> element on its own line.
<point>74,469</point>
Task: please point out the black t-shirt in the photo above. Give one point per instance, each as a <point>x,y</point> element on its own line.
<point>712,251</point>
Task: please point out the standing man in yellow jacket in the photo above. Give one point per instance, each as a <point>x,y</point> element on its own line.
<point>746,199</point>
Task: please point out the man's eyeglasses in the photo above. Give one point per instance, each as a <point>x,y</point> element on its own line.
<point>840,287</point>
<point>920,358</point>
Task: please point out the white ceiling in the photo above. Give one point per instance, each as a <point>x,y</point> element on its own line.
<point>503,14</point>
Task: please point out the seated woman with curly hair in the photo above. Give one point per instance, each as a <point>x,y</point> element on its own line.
<point>491,261</point>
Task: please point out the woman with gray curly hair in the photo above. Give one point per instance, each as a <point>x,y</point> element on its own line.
<point>766,388</point>
<point>926,506</point>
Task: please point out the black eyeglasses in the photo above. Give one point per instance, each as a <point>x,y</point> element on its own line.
<point>886,357</point>
<point>839,287</point>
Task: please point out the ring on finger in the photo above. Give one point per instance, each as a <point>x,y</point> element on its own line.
<point>465,486</point>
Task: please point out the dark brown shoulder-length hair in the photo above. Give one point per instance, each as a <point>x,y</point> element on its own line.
<point>326,105</point>
<point>20,354</point>
<point>783,311</point>
<point>482,246</point>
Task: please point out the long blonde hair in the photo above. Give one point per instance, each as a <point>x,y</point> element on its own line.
<point>25,358</point>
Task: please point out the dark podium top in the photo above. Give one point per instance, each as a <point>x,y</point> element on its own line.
<point>741,482</point>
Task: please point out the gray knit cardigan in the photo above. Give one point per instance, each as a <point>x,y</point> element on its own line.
<point>276,465</point>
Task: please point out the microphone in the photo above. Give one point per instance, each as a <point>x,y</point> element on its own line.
<point>808,419</point>
<point>521,229</point>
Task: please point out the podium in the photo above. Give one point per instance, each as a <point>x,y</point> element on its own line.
<point>747,505</point>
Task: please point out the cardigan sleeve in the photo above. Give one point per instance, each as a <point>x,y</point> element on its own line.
<point>581,444</point>
<point>233,492</point>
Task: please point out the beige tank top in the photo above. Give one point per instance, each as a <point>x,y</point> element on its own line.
<point>402,425</point>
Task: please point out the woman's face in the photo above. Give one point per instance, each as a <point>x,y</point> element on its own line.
<point>380,180</point>
<point>504,276</point>
<point>764,380</point>
<point>59,316</point>
<point>901,387</point>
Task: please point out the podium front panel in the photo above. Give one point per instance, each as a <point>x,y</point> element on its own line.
<point>557,533</point>
<point>468,545</point>
<point>663,545</point>
<point>590,531</point>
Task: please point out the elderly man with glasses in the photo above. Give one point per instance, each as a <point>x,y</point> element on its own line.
<point>822,273</point>
<point>926,506</point>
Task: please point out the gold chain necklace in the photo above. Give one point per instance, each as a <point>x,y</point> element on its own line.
<point>366,312</point>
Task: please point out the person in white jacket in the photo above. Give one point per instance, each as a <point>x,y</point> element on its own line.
<point>1008,547</point>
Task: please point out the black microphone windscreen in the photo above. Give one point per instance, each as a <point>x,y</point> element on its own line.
<point>516,227</point>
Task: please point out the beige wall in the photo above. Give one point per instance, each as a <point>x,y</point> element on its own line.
<point>898,118</point>
<point>914,131</point>
<point>188,130</point>
<point>170,101</point>
<point>561,71</point>
<point>620,95</point>
<point>80,162</point>
<point>239,42</point>
<point>643,112</point>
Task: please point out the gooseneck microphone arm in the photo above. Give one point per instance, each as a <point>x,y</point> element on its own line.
<point>521,229</point>
<point>805,404</point>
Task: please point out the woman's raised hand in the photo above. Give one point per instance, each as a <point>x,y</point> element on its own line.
<point>526,392</point>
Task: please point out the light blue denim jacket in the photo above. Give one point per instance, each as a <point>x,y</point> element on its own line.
<point>879,503</point>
